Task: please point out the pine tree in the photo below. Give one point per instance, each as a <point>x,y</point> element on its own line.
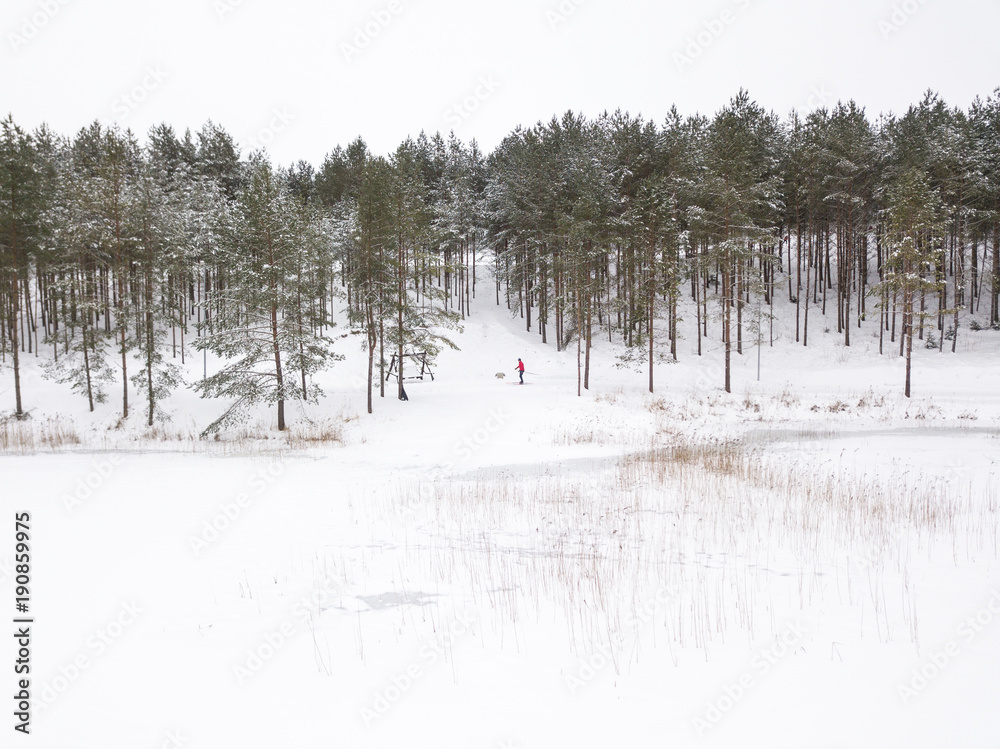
<point>113,202</point>
<point>218,158</point>
<point>74,244</point>
<point>985,135</point>
<point>743,150</point>
<point>20,227</point>
<point>372,248</point>
<point>159,227</point>
<point>261,330</point>
<point>419,321</point>
<point>848,189</point>
<point>915,222</point>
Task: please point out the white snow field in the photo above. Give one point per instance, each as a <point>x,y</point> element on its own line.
<point>810,561</point>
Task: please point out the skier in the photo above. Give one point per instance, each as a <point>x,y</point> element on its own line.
<point>520,370</point>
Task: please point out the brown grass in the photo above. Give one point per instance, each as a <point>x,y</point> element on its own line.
<point>26,436</point>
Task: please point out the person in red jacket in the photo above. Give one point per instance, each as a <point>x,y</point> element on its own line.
<point>520,370</point>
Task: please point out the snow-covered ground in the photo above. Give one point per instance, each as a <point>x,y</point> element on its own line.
<point>809,561</point>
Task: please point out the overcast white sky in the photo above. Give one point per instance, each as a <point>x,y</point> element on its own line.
<point>302,76</point>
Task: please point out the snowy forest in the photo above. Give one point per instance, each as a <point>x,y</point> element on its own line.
<point>121,259</point>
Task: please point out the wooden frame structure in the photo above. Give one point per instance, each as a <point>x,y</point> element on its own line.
<point>420,358</point>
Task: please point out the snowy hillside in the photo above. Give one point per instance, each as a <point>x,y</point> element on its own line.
<point>809,561</point>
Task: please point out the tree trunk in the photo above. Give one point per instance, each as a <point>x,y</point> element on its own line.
<point>727,306</point>
<point>805,320</point>
<point>277,367</point>
<point>150,339</point>
<point>651,302</point>
<point>995,291</point>
<point>15,299</point>
<point>401,301</point>
<point>908,317</point>
<point>590,318</point>
<point>579,334</point>
<point>371,351</point>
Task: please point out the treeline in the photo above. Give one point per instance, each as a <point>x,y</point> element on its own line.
<point>604,224</point>
<point>116,258</point>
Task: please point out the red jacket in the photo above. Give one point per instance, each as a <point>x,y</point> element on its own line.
<point>520,365</point>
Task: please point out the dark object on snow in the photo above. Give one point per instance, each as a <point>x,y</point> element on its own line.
<point>402,394</point>
<point>419,358</point>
